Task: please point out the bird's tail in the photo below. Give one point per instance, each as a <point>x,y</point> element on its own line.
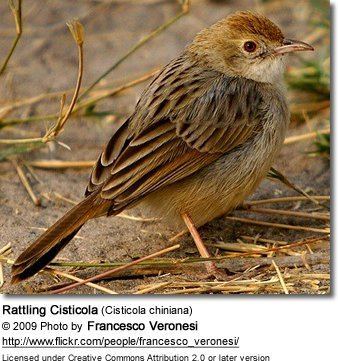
<point>50,243</point>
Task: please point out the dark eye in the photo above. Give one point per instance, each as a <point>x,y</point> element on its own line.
<point>250,46</point>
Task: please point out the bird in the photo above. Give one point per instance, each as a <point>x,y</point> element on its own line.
<point>202,136</point>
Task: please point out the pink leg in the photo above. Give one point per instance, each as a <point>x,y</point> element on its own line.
<point>210,266</point>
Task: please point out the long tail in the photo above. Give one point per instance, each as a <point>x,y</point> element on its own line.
<point>50,243</point>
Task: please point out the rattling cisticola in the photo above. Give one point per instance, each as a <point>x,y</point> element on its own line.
<point>203,135</point>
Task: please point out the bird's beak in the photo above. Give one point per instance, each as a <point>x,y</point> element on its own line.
<point>291,46</point>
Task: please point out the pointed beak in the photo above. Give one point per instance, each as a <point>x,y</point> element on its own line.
<point>290,46</point>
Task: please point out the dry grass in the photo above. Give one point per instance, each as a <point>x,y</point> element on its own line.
<point>16,10</point>
<point>250,264</point>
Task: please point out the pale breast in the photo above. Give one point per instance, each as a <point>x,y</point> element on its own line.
<point>224,184</point>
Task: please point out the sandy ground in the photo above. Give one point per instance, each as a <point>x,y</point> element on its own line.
<point>45,61</point>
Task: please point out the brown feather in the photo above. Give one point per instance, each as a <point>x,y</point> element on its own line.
<point>206,123</point>
<point>51,242</point>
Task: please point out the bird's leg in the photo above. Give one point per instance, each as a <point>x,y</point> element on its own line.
<point>210,266</point>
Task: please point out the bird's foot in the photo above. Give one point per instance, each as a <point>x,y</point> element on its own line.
<point>216,273</point>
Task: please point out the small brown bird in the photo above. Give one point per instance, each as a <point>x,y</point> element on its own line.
<point>201,138</point>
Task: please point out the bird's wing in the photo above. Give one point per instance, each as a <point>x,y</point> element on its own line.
<point>185,120</point>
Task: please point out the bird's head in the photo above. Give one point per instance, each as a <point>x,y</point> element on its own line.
<point>246,45</point>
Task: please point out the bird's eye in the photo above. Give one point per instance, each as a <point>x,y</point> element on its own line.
<point>250,46</point>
